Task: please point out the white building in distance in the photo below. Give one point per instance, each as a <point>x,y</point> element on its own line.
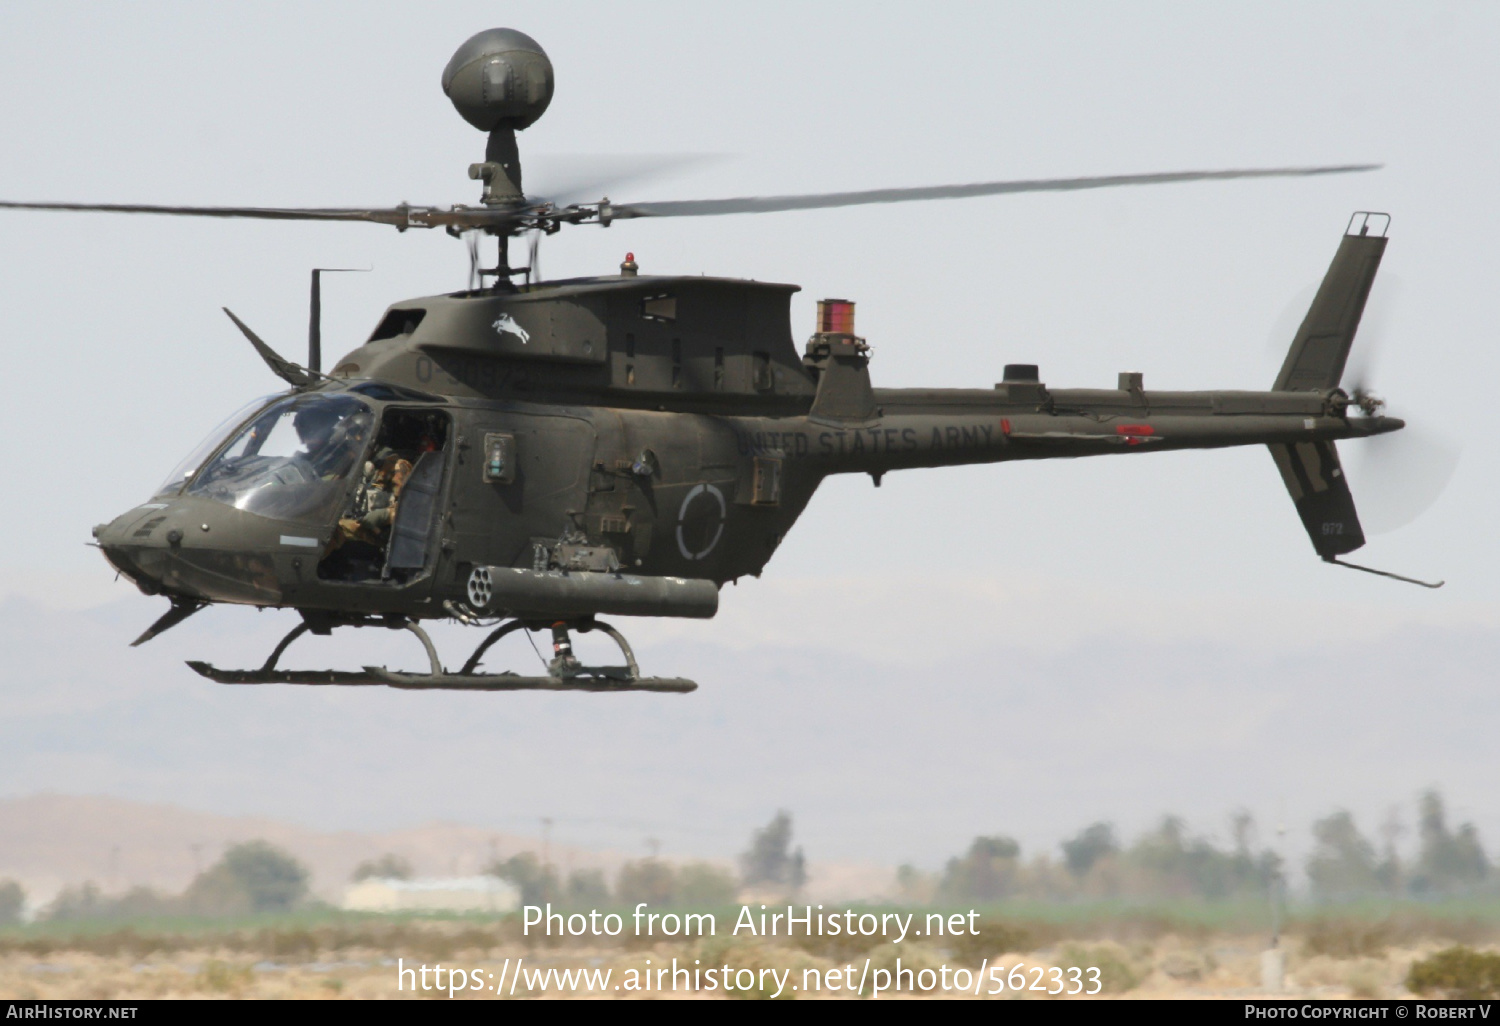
<point>488,894</point>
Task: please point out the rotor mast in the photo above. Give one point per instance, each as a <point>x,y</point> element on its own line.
<point>501,175</point>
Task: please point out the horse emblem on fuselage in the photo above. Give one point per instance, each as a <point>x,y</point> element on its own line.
<point>507,323</point>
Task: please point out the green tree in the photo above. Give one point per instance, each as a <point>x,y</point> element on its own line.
<point>770,859</point>
<point>73,903</point>
<point>1392,871</point>
<point>144,903</point>
<point>1343,864</point>
<point>990,870</point>
<point>537,883</point>
<point>914,886</point>
<point>1447,861</point>
<point>1175,864</point>
<point>1092,844</point>
<point>85,902</point>
<point>12,902</point>
<point>255,876</point>
<point>648,880</point>
<point>587,889</point>
<point>388,867</point>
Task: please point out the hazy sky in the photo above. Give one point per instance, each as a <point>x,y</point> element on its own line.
<point>119,359</point>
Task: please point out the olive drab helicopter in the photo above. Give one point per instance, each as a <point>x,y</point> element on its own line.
<point>534,455</point>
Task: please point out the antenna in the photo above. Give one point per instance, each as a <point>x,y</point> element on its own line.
<point>315,316</point>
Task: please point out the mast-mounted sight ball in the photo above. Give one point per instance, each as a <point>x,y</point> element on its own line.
<point>500,78</point>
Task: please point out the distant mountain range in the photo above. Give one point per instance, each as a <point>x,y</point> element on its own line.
<point>49,840</point>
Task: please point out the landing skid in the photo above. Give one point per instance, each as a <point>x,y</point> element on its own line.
<point>565,672</point>
<point>512,682</point>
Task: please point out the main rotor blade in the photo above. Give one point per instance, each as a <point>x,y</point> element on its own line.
<point>265,213</point>
<point>402,217</point>
<point>460,217</point>
<point>576,178</point>
<point>769,204</point>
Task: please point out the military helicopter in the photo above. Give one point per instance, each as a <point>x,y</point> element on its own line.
<point>531,456</point>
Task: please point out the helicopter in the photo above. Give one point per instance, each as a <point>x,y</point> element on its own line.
<point>531,456</point>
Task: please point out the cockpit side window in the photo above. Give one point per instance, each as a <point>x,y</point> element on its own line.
<point>393,501</point>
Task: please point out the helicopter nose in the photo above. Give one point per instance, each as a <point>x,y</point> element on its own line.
<point>190,549</point>
<point>128,546</point>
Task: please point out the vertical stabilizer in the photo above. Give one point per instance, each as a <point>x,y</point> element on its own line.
<point>1321,347</point>
<point>1321,494</point>
<point>1315,362</point>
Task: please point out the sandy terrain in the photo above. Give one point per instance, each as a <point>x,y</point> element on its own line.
<point>1168,967</point>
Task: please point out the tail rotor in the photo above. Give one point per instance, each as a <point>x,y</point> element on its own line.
<point>1318,361</point>
<point>1399,475</point>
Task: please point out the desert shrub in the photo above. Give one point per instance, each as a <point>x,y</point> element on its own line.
<point>996,936</point>
<point>841,948</point>
<point>223,978</point>
<point>648,880</point>
<point>1366,980</point>
<point>1346,938</point>
<point>702,885</point>
<point>287,943</point>
<point>755,957</point>
<point>474,939</point>
<point>1456,972</point>
<point>910,956</point>
<point>1116,974</point>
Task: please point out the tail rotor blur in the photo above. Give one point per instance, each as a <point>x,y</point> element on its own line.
<point>1399,476</point>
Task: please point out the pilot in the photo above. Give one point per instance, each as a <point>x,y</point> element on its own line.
<point>329,438</point>
<point>314,425</point>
